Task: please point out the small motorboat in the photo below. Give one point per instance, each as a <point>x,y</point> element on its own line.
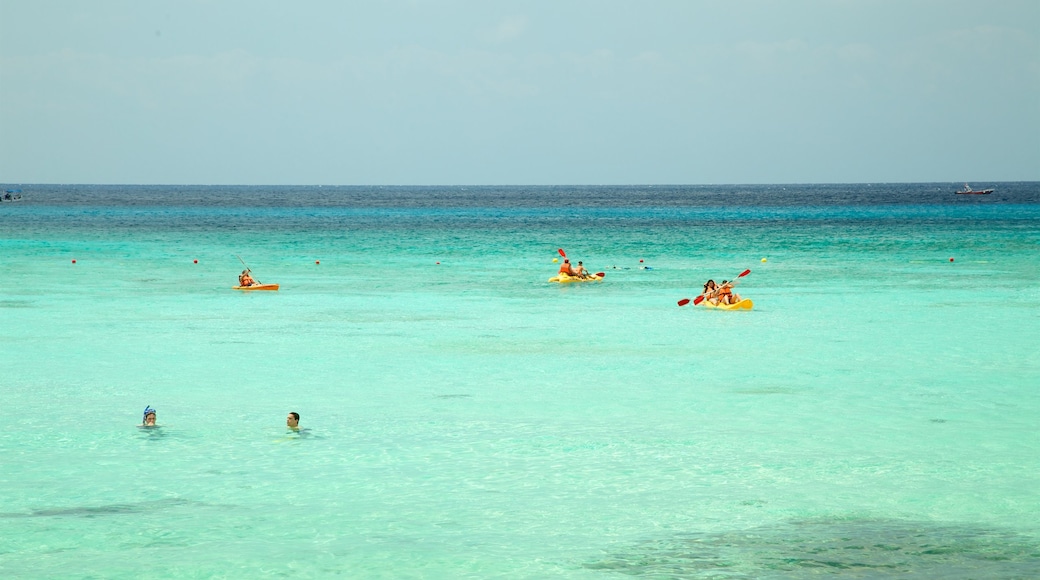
<point>968,190</point>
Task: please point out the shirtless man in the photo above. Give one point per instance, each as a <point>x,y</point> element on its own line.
<point>244,279</point>
<point>580,271</point>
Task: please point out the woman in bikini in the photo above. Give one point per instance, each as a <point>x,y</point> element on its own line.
<point>710,292</point>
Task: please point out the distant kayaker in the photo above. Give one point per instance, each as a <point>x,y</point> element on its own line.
<point>710,292</point>
<point>244,279</point>
<point>726,295</point>
<point>580,271</point>
<point>566,268</point>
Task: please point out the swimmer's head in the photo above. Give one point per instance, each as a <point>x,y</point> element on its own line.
<point>292,421</point>
<point>148,417</point>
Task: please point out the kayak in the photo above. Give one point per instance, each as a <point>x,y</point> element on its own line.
<point>565,279</point>
<point>744,304</point>
<point>256,287</point>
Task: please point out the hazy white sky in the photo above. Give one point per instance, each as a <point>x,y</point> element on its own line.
<point>533,92</point>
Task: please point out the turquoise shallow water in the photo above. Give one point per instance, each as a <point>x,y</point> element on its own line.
<point>875,414</point>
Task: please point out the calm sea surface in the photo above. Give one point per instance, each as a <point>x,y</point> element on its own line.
<point>875,415</point>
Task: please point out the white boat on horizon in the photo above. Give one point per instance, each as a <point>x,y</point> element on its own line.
<point>968,190</point>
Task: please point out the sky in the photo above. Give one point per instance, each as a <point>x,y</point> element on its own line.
<point>422,92</point>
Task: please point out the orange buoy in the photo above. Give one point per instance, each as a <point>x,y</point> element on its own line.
<point>195,261</point>
<point>73,261</point>
<point>317,261</point>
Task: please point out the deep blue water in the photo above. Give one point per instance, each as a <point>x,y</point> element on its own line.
<point>570,196</point>
<point>288,208</point>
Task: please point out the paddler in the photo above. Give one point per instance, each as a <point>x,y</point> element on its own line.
<point>566,268</point>
<point>244,279</point>
<point>580,271</point>
<point>710,292</point>
<point>726,295</point>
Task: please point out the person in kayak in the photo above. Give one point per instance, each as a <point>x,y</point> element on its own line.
<point>244,279</point>
<point>726,295</point>
<point>566,268</point>
<point>710,292</point>
<point>580,271</point>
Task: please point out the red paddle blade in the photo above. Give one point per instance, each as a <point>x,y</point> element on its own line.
<point>601,274</point>
<point>744,273</point>
<point>562,253</point>
<point>698,300</point>
<point>684,302</point>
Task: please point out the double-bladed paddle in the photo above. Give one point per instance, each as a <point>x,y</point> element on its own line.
<point>701,298</point>
<point>247,267</point>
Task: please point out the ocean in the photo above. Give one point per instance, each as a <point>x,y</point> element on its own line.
<point>874,415</point>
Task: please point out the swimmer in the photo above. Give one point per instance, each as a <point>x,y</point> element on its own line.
<point>148,419</point>
<point>292,421</point>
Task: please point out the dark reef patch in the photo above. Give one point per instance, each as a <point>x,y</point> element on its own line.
<point>860,548</point>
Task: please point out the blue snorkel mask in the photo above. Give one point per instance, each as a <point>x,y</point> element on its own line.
<point>147,410</point>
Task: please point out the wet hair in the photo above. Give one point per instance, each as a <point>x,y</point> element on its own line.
<point>295,415</point>
<point>712,282</point>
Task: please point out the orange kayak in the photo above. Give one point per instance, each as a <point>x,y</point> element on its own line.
<point>745,304</point>
<point>256,287</point>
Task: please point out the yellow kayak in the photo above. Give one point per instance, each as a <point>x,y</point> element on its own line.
<point>565,279</point>
<point>744,304</point>
<point>256,287</point>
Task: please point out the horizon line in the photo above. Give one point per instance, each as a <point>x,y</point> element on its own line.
<point>402,185</point>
